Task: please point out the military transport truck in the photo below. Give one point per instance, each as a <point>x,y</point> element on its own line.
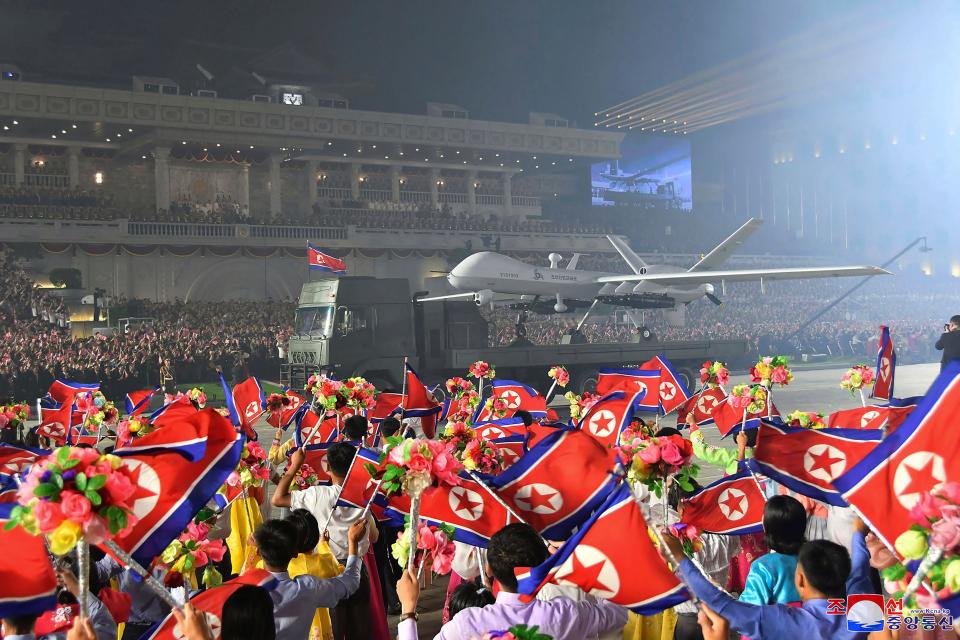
<point>367,326</point>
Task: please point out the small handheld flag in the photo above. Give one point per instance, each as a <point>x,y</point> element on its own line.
<point>886,367</point>
<point>732,506</point>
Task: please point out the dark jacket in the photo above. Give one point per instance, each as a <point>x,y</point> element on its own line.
<point>949,343</point>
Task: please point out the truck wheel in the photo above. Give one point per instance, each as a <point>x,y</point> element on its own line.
<point>646,333</point>
<point>587,381</point>
<point>689,378</point>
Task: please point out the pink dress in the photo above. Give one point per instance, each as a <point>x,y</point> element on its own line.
<point>752,546</point>
<point>378,612</point>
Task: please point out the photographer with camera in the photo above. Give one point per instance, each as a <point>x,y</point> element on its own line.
<point>949,342</point>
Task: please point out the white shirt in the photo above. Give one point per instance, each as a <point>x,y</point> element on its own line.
<point>319,501</point>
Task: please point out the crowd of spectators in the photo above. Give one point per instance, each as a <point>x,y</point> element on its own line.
<point>769,320</point>
<point>42,203</point>
<point>241,337</point>
<point>221,210</point>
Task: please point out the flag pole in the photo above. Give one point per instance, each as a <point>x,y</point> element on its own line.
<point>403,390</point>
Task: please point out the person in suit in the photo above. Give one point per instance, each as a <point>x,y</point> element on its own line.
<point>949,342</point>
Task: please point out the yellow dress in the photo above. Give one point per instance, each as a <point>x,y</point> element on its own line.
<point>241,528</point>
<point>658,627</point>
<point>321,564</point>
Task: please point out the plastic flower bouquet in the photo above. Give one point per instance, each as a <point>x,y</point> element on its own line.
<point>482,370</point>
<point>306,477</point>
<point>649,459</point>
<point>130,429</point>
<point>771,370</point>
<point>253,469</point>
<point>714,374</point>
<point>934,540</point>
<point>277,402</point>
<point>559,375</point>
<point>689,537</point>
<point>806,419</point>
<point>580,404</point>
<point>192,550</point>
<point>497,407</point>
<point>358,393</point>
<point>464,400</point>
<point>752,398</point>
<point>96,409</point>
<point>474,452</point>
<point>76,494</point>
<point>13,415</point>
<point>435,547</point>
<point>516,632</point>
<point>855,379</point>
<point>326,393</point>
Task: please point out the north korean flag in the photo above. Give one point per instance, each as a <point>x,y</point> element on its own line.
<point>317,259</point>
<point>886,367</point>
<point>916,458</point>
<point>210,602</point>
<point>596,560</point>
<point>55,423</point>
<point>136,402</point>
<point>316,457</point>
<point>63,391</point>
<point>643,382</point>
<point>283,418</point>
<point>16,459</point>
<point>703,405</point>
<point>387,405</point>
<point>540,430</point>
<point>359,486</point>
<point>808,460</point>
<point>173,485</point>
<point>503,428</point>
<point>732,505</point>
<point>249,402</point>
<point>511,449</point>
<point>27,582</point>
<point>870,417</point>
<point>468,507</point>
<point>543,489</point>
<point>729,418</point>
<point>519,397</point>
<point>673,393</point>
<point>607,419</point>
<point>305,424</point>
<point>419,403</point>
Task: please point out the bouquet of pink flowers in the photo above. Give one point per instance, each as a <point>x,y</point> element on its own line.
<point>306,477</point>
<point>326,392</point>
<point>714,374</point>
<point>771,370</point>
<point>560,375</point>
<point>96,409</point>
<point>13,415</point>
<point>856,378</point>
<point>753,398</point>
<point>651,459</point>
<point>497,406</point>
<point>457,386</point>
<point>277,402</point>
<point>359,393</point>
<point>253,469</point>
<point>933,539</point>
<point>516,632</point>
<point>75,494</point>
<point>434,547</point>
<point>475,453</point>
<point>192,550</point>
<point>414,465</point>
<point>482,370</point>
<point>196,396</point>
<point>580,404</point>
<point>689,537</point>
<point>464,400</point>
<point>131,428</point>
<point>806,419</point>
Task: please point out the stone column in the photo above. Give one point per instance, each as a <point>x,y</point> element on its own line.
<point>354,180</point>
<point>244,196</point>
<point>311,192</point>
<point>472,190</point>
<point>19,162</point>
<point>395,183</point>
<point>73,166</point>
<point>508,192</point>
<point>434,188</point>
<point>276,208</point>
<point>161,176</point>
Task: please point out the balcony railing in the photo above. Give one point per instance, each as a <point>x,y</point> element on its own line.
<point>35,180</point>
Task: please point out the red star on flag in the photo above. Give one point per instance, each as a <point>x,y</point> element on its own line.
<point>587,576</point>
<point>466,501</point>
<point>921,479</point>
<point>537,499</point>
<point>734,504</point>
<point>823,461</point>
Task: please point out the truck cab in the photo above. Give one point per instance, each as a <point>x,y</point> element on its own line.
<point>351,326</point>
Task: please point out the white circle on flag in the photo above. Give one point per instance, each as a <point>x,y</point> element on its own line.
<point>733,504</point>
<point>706,403</point>
<point>509,456</point>
<point>492,433</point>
<point>252,409</point>
<point>641,385</point>
<point>602,423</point>
<point>885,367</point>
<point>868,417</point>
<point>824,462</point>
<point>465,503</point>
<point>667,390</point>
<point>148,487</point>
<point>16,464</point>
<point>511,399</point>
<point>918,473</point>
<point>592,570</point>
<point>539,498</point>
<point>213,622</point>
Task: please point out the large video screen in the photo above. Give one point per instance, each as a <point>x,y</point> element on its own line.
<point>653,173</point>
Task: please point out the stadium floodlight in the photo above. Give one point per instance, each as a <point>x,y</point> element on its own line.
<point>206,74</point>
